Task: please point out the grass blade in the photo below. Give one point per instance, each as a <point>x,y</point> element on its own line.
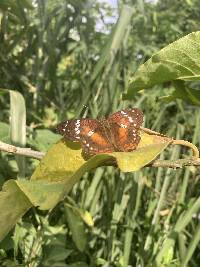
<point>18,126</point>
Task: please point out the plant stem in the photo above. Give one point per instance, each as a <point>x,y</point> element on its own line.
<point>188,144</point>
<point>174,141</point>
<point>28,152</point>
<point>21,151</point>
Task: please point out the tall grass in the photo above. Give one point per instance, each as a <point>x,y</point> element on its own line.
<point>147,217</point>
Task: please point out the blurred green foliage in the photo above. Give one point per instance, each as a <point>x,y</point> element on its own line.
<point>52,53</point>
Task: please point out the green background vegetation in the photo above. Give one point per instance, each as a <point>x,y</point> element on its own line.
<point>53,54</point>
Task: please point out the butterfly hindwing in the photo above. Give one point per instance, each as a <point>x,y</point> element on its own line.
<point>97,141</point>
<point>94,138</point>
<point>127,118</point>
<point>125,126</point>
<point>125,139</point>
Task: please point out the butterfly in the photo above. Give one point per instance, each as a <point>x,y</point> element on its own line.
<point>118,132</point>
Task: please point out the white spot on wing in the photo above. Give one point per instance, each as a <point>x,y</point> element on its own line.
<point>78,122</point>
<point>130,119</point>
<point>90,133</point>
<point>123,125</point>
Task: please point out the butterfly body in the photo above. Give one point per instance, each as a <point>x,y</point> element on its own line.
<point>119,132</point>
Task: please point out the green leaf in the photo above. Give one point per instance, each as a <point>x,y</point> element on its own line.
<point>62,166</point>
<point>193,96</point>
<point>43,139</point>
<point>77,228</point>
<point>13,205</point>
<point>83,214</point>
<point>18,126</point>
<point>189,95</point>
<point>130,162</point>
<point>56,254</point>
<point>19,196</point>
<point>177,61</point>
<point>43,194</point>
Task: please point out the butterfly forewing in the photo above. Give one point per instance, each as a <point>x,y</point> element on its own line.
<point>74,129</point>
<point>89,132</point>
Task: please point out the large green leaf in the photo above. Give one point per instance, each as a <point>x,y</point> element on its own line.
<point>62,166</point>
<point>177,61</point>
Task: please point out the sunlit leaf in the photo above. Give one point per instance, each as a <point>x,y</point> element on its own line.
<point>129,162</point>
<point>64,165</point>
<point>177,61</point>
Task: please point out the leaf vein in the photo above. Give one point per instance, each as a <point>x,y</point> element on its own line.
<point>176,63</point>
